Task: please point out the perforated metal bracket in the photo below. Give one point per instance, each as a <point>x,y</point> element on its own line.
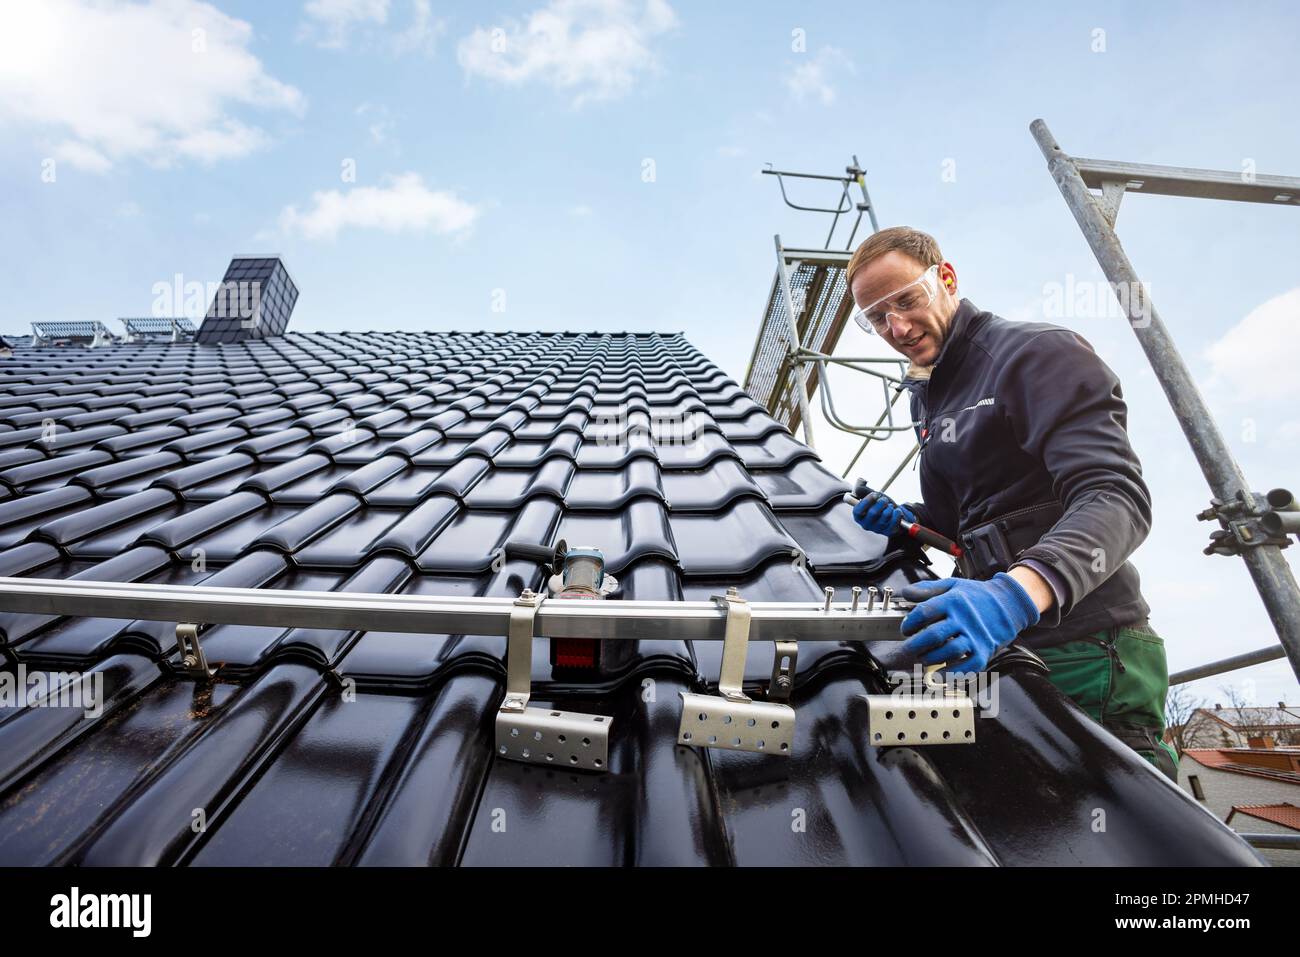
<point>193,661</point>
<point>542,735</point>
<point>931,714</point>
<point>731,719</point>
<point>563,738</point>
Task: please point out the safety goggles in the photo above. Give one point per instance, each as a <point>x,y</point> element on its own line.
<point>915,296</point>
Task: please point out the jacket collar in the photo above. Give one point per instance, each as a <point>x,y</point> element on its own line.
<point>958,336</point>
<point>955,341</point>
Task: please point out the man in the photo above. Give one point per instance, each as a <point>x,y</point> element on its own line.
<point>1025,460</point>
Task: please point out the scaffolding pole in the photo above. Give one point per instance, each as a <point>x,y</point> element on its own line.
<point>1268,568</point>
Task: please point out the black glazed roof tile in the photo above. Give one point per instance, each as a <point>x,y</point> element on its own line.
<point>827,538</point>
<point>401,462</point>
<point>611,488</point>
<point>709,489</point>
<point>638,530</point>
<point>804,484</point>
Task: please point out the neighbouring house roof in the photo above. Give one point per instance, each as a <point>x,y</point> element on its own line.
<point>397,462</point>
<point>1266,718</point>
<point>1285,814</point>
<point>1276,763</point>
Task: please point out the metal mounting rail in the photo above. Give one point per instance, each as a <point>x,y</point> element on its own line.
<point>415,614</point>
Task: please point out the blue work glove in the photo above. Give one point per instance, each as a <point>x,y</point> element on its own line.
<point>959,616</point>
<point>878,513</point>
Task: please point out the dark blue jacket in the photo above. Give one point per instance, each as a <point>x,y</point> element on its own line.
<point>1022,414</point>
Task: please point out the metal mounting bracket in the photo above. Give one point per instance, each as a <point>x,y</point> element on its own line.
<point>731,719</point>
<point>784,664</point>
<point>1244,524</point>
<point>1112,194</point>
<point>930,714</point>
<point>541,735</point>
<point>193,661</point>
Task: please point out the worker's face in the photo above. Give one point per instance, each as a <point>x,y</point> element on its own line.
<point>917,333</point>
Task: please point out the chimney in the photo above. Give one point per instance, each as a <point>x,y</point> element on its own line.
<point>1281,704</point>
<point>1217,706</point>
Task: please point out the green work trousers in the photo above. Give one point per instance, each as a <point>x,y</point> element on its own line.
<point>1120,677</point>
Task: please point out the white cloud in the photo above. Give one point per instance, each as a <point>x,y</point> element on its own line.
<point>83,157</point>
<point>593,48</point>
<point>813,78</point>
<point>382,124</point>
<point>337,24</point>
<point>581,211</point>
<point>403,204</point>
<point>330,22</point>
<point>1255,358</point>
<point>423,33</point>
<point>154,81</point>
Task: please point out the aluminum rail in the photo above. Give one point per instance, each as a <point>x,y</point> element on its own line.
<point>818,257</point>
<point>1280,842</point>
<point>415,614</point>
<point>852,174</point>
<point>1272,575</point>
<point>1231,185</point>
<point>1236,662</point>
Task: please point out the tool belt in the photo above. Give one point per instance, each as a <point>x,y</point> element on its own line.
<point>992,546</point>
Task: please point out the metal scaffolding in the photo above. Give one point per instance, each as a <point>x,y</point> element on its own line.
<point>1252,525</point>
<point>808,307</point>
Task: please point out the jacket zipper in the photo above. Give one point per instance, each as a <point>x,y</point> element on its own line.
<point>1017,513</point>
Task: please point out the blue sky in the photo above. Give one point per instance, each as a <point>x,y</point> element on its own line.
<point>502,155</point>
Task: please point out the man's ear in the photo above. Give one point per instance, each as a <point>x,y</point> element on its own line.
<point>948,277</point>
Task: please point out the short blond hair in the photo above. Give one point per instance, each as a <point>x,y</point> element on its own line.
<point>904,239</point>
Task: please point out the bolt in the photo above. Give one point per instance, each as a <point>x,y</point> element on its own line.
<point>857,594</point>
<point>889,594</point>
<point>830,596</point>
<point>871,598</point>
<point>190,661</point>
